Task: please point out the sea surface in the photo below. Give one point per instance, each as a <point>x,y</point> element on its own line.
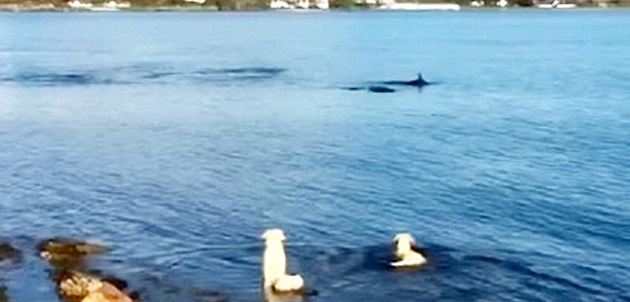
<point>176,139</point>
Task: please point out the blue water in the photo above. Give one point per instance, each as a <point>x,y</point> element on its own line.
<point>177,138</point>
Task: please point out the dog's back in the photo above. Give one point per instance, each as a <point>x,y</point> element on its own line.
<point>274,262</point>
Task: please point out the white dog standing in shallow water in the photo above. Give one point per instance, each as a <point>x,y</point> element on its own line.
<point>275,264</point>
<point>405,255</point>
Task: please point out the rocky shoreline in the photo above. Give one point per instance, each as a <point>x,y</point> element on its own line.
<point>52,7</point>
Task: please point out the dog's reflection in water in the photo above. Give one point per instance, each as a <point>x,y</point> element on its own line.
<point>273,296</point>
<point>9,256</point>
<point>3,294</point>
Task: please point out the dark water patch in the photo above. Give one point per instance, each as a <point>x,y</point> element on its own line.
<point>366,271</point>
<point>238,74</point>
<point>141,74</point>
<point>370,88</point>
<point>257,71</point>
<point>526,270</point>
<point>153,286</point>
<point>352,88</point>
<point>9,253</point>
<point>154,75</point>
<point>376,258</point>
<point>57,79</point>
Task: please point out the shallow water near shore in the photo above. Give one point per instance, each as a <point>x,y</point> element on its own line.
<point>176,139</point>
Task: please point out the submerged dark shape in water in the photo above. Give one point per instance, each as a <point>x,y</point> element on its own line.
<point>59,78</point>
<point>380,89</point>
<point>253,70</point>
<point>8,252</point>
<point>371,88</point>
<point>138,74</point>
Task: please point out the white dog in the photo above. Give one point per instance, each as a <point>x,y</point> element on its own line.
<point>405,254</point>
<point>275,264</point>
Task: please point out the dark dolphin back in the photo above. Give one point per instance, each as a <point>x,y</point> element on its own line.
<point>420,80</point>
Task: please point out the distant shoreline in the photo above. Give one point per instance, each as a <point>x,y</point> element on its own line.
<point>52,8</point>
<point>98,6</point>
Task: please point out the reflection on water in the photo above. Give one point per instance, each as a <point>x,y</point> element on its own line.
<point>3,294</point>
<point>271,296</point>
<point>9,257</point>
<point>151,285</point>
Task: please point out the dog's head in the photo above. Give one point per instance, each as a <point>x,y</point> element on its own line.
<point>273,235</point>
<point>403,242</point>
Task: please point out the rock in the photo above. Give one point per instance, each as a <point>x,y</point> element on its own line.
<point>76,286</point>
<point>65,249</point>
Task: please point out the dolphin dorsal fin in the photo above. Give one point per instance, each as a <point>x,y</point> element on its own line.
<point>421,80</point>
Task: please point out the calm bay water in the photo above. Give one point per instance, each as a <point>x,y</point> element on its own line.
<point>177,138</point>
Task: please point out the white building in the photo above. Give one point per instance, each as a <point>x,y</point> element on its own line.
<point>392,5</point>
<point>303,4</point>
<point>322,4</point>
<point>116,5</point>
<point>372,2</point>
<point>279,4</point>
<point>298,4</point>
<point>77,4</point>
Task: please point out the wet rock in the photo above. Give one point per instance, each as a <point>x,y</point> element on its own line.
<point>81,287</point>
<point>66,257</point>
<point>66,249</point>
<point>118,283</point>
<point>76,286</point>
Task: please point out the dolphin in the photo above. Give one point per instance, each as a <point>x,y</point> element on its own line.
<point>385,86</point>
<point>380,89</point>
<point>418,82</point>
